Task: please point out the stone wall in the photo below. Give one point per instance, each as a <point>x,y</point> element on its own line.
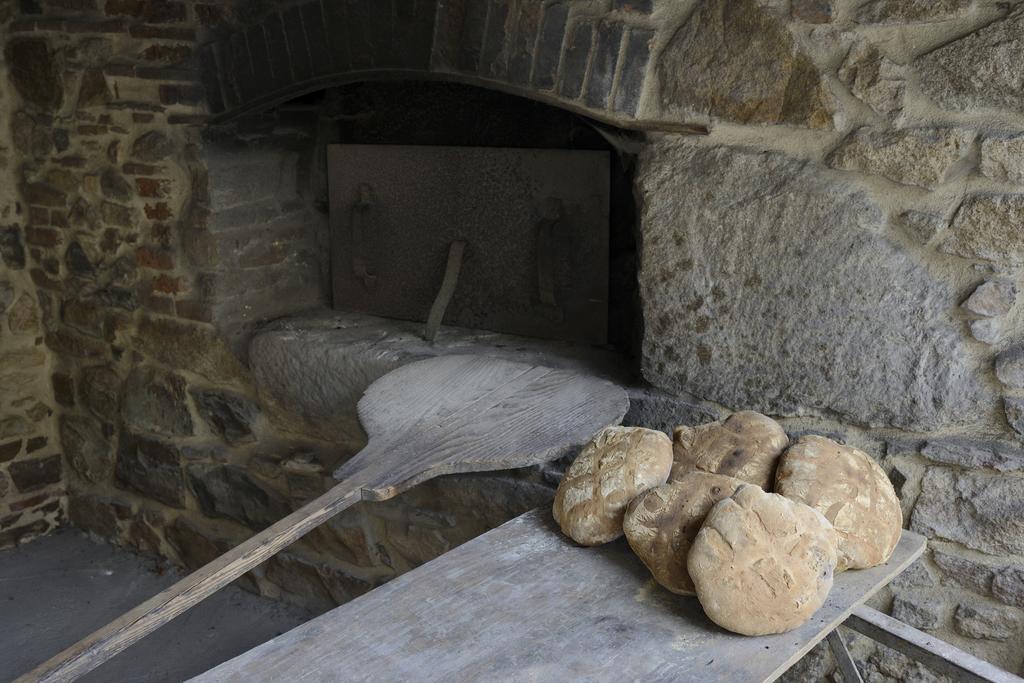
<point>154,244</point>
<point>32,499</point>
<point>844,253</point>
<point>841,250</point>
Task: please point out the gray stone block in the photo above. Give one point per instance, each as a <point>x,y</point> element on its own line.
<point>1002,159</point>
<point>910,157</point>
<point>230,492</point>
<point>1010,367</point>
<point>228,414</point>
<point>991,298</point>
<point>978,620</point>
<point>150,467</point>
<point>982,511</point>
<point>975,453</point>
<point>154,402</point>
<point>711,66</point>
<point>900,11</point>
<point>916,612</point>
<point>951,74</point>
<point>985,227</point>
<point>775,292</point>
<point>575,57</point>
<point>86,447</point>
<point>1013,406</point>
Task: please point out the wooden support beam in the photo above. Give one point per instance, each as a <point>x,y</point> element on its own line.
<point>843,658</point>
<point>936,654</point>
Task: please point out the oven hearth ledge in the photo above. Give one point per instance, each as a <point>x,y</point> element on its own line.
<point>317,364</point>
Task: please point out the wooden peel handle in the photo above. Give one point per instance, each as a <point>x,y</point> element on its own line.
<point>101,645</point>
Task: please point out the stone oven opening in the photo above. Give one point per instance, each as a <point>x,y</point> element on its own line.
<point>580,248</point>
<point>296,290</point>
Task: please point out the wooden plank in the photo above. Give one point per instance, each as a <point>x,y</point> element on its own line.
<point>843,659</point>
<point>936,654</point>
<point>439,416</point>
<point>523,603</point>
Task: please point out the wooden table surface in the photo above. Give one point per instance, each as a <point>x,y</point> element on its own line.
<point>523,603</point>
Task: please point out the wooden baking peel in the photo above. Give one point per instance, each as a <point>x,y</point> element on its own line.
<point>439,416</point>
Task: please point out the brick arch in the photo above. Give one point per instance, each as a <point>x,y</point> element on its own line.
<point>541,49</point>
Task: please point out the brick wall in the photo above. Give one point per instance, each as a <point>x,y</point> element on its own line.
<point>154,243</point>
<point>32,499</point>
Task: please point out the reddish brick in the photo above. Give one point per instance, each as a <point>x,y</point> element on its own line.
<point>21,26</point>
<point>188,119</point>
<point>180,94</point>
<point>45,281</point>
<point>42,237</point>
<point>110,241</point>
<point>167,54</point>
<point>151,187</point>
<point>50,24</point>
<point>38,215</point>
<point>165,73</point>
<point>95,26</point>
<point>209,15</point>
<point>58,219</point>
<point>42,194</point>
<point>140,169</point>
<point>81,314</point>
<point>159,304</point>
<point>124,8</point>
<point>167,284</point>
<point>161,233</point>
<point>165,12</point>
<point>123,70</point>
<point>271,254</point>
<point>92,130</point>
<point>162,32</point>
<point>158,212</point>
<point>191,309</point>
<point>64,389</point>
<point>31,502</point>
<point>152,258</point>
<point>71,162</point>
<point>115,323</point>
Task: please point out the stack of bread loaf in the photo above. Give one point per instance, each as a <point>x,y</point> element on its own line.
<point>732,513</point>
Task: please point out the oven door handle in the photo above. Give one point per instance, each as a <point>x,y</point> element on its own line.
<point>360,225</point>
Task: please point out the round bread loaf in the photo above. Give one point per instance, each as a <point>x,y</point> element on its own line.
<point>661,524</point>
<point>851,490</point>
<point>745,446</point>
<point>618,464</point>
<point>762,563</point>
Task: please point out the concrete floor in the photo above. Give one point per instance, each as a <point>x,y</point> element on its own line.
<point>58,589</point>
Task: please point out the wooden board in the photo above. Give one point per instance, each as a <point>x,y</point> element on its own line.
<point>937,655</point>
<point>443,415</point>
<point>523,603</point>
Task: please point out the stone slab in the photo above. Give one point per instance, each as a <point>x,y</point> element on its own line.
<point>524,603</point>
<point>320,363</point>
